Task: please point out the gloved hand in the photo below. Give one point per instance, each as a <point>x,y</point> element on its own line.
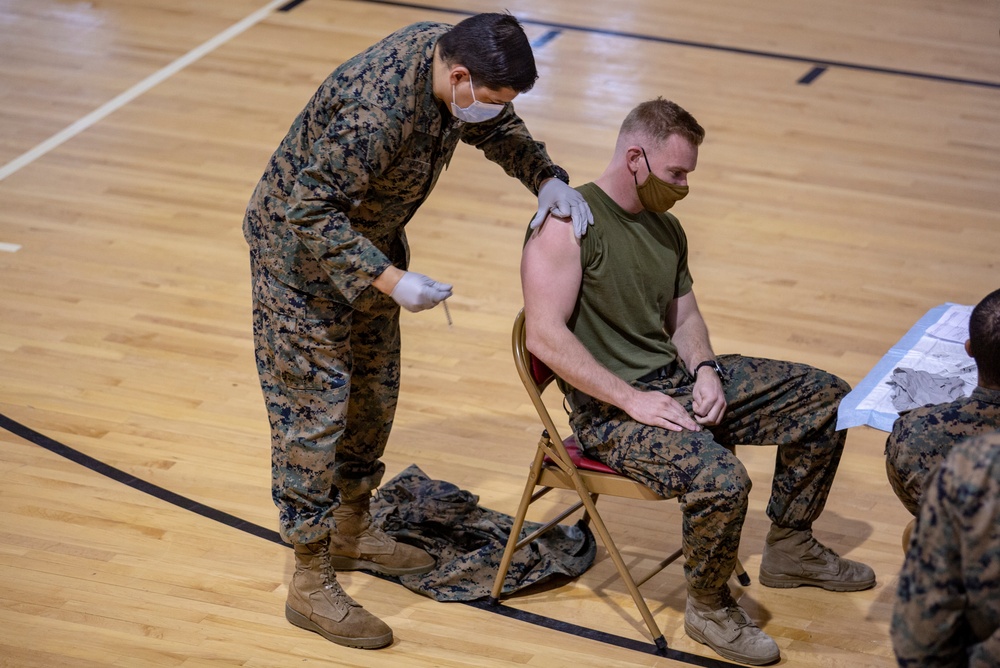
<point>561,200</point>
<point>416,292</point>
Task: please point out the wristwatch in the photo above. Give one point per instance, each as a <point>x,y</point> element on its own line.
<point>551,171</point>
<point>714,366</point>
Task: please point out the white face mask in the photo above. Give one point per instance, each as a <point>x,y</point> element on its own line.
<point>477,112</point>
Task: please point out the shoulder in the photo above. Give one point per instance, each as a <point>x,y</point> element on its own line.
<point>932,415</point>
<point>390,61</point>
<point>420,31</point>
<point>673,223</point>
<point>976,454</point>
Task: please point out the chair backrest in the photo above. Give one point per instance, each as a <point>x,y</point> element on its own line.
<point>535,375</point>
<point>565,453</point>
<point>538,372</point>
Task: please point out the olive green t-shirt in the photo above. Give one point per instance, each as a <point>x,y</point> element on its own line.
<point>634,267</point>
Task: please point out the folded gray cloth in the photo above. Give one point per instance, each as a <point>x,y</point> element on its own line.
<point>914,388</point>
<point>468,541</point>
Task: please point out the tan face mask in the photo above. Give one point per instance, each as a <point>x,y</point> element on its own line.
<point>655,194</point>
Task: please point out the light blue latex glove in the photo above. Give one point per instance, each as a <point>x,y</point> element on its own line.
<point>565,202</point>
<point>416,292</point>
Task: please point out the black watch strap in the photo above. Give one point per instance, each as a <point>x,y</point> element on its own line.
<point>551,171</point>
<point>714,366</point>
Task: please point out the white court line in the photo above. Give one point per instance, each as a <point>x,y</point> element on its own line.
<point>137,90</point>
<point>9,248</point>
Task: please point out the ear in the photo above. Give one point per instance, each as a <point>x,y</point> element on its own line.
<point>457,74</point>
<point>633,156</point>
<point>968,347</point>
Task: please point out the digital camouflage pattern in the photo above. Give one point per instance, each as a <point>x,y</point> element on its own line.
<point>947,610</point>
<point>769,402</point>
<point>324,221</point>
<point>327,216</point>
<point>312,356</point>
<point>467,541</point>
<point>922,437</point>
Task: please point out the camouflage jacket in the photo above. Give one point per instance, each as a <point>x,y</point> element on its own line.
<point>327,216</point>
<point>467,541</point>
<point>922,437</point>
<point>947,611</point>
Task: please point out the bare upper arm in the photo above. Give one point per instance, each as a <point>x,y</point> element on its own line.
<point>551,274</point>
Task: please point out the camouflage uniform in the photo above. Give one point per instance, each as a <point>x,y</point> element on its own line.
<point>947,610</point>
<point>921,438</point>
<point>324,221</point>
<point>769,402</point>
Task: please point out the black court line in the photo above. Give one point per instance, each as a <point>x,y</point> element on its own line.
<point>542,40</point>
<point>811,75</point>
<point>290,5</point>
<point>125,478</point>
<point>773,55</point>
<point>234,522</point>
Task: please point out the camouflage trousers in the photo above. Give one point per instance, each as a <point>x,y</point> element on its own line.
<point>330,376</point>
<point>793,406</point>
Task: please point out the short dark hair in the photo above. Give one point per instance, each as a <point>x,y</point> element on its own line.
<point>495,50</point>
<point>659,118</point>
<point>984,338</point>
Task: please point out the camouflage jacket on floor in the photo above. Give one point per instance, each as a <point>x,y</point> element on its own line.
<point>468,541</point>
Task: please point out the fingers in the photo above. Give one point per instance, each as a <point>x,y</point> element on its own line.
<point>433,292</point>
<point>582,218</point>
<point>561,209</point>
<point>682,423</point>
<point>660,410</point>
<point>708,406</point>
<point>438,292</point>
<point>539,217</point>
<point>416,292</point>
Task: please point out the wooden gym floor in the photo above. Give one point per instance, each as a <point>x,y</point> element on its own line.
<point>849,183</point>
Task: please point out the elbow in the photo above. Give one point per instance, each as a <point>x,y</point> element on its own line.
<point>536,343</point>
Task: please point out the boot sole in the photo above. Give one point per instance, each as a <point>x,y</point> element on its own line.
<point>303,622</point>
<point>789,581</point>
<point>696,635</point>
<point>350,564</point>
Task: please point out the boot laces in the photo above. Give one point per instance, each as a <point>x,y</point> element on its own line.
<point>331,584</point>
<point>735,613</point>
<point>819,551</point>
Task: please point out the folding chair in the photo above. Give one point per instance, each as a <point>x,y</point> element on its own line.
<point>560,464</point>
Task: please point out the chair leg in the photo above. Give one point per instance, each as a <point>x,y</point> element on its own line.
<point>741,574</point>
<point>515,530</point>
<point>626,576</point>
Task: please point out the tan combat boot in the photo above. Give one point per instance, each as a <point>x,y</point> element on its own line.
<point>316,602</point>
<point>715,619</point>
<point>355,544</point>
<point>794,558</point>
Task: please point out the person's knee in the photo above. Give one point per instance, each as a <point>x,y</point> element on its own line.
<point>834,388</point>
<point>724,485</point>
<point>738,484</point>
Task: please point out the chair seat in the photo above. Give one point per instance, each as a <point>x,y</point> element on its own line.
<point>580,460</point>
<point>599,478</point>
